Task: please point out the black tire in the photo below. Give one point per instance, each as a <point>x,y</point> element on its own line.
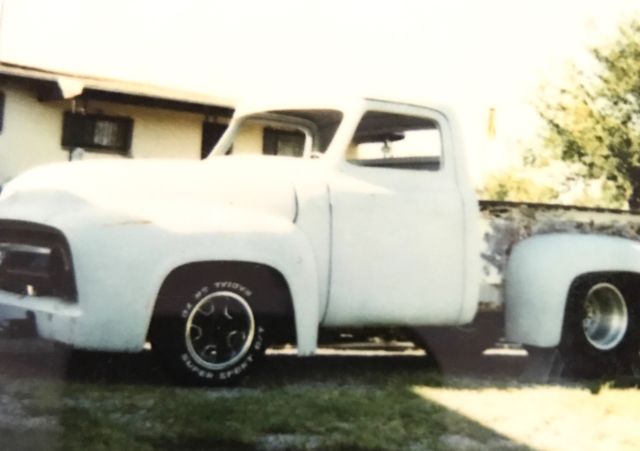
<point>212,334</point>
<point>601,330</point>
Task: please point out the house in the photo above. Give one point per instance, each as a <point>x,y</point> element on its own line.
<point>47,117</point>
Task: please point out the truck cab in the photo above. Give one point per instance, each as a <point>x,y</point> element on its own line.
<point>402,213</point>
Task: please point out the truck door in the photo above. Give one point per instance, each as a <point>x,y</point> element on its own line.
<point>397,223</point>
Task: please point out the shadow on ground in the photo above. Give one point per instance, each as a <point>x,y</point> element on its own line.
<point>52,399</point>
<point>37,360</point>
<point>56,400</point>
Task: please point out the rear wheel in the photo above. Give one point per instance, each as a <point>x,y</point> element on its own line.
<point>601,330</point>
<point>212,334</point>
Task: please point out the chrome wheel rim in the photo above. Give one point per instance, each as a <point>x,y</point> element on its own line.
<point>605,317</point>
<point>220,330</point>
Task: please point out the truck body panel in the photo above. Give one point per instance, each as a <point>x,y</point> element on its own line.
<point>540,273</point>
<point>503,224</point>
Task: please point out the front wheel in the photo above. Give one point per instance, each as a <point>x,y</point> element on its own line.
<point>213,335</point>
<point>601,330</point>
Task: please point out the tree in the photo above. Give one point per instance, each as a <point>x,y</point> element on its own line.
<point>511,186</point>
<point>595,122</point>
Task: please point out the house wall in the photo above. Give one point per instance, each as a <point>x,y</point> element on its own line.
<point>249,140</point>
<point>157,133</point>
<point>32,131</point>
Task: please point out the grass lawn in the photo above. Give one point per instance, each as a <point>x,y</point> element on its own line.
<point>317,403</point>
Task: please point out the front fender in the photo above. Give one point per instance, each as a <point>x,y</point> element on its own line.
<point>266,240</point>
<point>540,272</point>
<point>120,267</point>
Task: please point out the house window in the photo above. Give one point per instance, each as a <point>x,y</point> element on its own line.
<point>282,142</point>
<point>211,134</point>
<point>97,132</point>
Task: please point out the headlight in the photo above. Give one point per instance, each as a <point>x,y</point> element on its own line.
<point>35,260</point>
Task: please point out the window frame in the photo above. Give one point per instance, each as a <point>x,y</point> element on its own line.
<point>76,125</point>
<point>430,163</point>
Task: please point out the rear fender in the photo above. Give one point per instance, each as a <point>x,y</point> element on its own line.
<point>539,275</point>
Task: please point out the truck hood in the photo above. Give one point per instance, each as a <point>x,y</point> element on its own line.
<point>155,190</point>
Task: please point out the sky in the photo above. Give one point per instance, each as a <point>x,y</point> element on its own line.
<point>472,54</point>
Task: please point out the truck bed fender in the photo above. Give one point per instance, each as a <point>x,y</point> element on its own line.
<point>539,275</point>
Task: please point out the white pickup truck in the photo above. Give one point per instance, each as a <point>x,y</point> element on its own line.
<point>362,216</point>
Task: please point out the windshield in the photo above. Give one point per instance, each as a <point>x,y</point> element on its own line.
<point>288,133</point>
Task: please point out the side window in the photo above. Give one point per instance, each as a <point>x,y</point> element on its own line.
<point>396,141</point>
<point>282,142</point>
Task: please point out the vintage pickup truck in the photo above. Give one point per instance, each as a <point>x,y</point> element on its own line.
<point>361,216</point>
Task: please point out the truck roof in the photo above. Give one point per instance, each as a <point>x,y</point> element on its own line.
<point>291,101</point>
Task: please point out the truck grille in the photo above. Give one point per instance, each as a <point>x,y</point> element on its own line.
<point>35,260</point>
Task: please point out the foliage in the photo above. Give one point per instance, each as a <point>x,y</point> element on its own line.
<point>510,186</point>
<point>595,121</point>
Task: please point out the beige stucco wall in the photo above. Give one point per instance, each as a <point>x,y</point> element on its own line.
<point>249,140</point>
<point>158,133</point>
<point>32,131</point>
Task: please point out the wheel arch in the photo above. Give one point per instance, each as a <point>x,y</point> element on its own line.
<point>543,270</point>
<point>278,306</point>
<point>297,308</point>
